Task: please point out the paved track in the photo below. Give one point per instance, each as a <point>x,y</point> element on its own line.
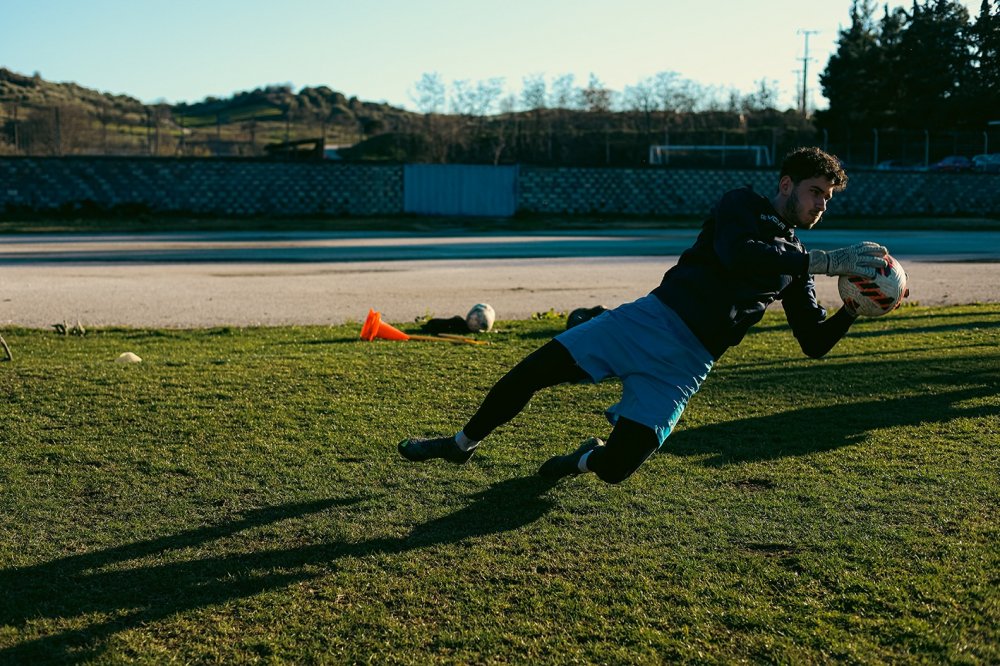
<point>187,280</point>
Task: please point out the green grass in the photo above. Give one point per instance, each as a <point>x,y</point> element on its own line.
<point>237,498</point>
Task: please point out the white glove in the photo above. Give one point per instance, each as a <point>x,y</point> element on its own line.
<point>858,259</point>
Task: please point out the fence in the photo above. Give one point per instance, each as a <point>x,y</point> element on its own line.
<point>253,188</point>
<point>621,140</point>
<point>871,147</point>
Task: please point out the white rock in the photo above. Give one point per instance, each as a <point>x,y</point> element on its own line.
<point>128,357</point>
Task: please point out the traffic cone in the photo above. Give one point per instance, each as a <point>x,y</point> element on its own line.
<point>376,328</point>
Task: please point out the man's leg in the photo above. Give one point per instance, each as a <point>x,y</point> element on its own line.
<point>629,445</point>
<point>548,365</point>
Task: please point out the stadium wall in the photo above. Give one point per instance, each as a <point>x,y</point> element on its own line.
<point>668,192</point>
<point>246,188</point>
<point>197,186</point>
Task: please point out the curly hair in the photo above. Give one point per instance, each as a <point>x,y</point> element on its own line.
<point>811,162</point>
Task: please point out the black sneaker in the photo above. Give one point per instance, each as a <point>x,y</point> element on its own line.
<point>419,450</point>
<point>569,464</point>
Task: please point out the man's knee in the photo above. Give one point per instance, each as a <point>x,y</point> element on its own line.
<point>615,475</point>
<point>629,445</point>
<point>612,468</point>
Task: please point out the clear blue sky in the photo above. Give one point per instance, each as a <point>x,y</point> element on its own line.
<point>376,50</point>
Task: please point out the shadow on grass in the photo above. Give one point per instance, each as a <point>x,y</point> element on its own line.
<point>938,323</point>
<point>822,428</point>
<point>103,582</point>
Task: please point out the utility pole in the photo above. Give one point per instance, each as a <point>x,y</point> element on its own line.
<point>805,71</point>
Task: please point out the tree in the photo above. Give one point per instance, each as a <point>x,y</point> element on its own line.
<point>934,53</point>
<point>763,98</point>
<point>533,99</point>
<point>565,94</point>
<point>429,95</point>
<point>533,92</point>
<point>596,97</point>
<point>641,99</point>
<point>475,99</point>
<point>911,70</point>
<point>851,75</point>
<point>982,84</point>
<point>884,105</point>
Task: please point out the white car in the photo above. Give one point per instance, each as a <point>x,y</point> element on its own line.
<point>986,163</point>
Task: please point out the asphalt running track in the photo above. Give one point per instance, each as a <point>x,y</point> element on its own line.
<point>276,247</point>
<point>263,279</point>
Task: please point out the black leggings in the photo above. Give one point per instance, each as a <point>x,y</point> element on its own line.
<point>629,444</point>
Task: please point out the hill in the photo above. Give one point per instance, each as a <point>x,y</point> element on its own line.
<point>39,117</point>
<point>44,117</point>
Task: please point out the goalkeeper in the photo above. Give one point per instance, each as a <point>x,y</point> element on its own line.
<point>662,346</point>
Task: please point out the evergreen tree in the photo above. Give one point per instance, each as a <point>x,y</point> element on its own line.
<point>935,56</point>
<point>851,76</point>
<point>887,100</point>
<point>983,83</point>
<point>917,69</point>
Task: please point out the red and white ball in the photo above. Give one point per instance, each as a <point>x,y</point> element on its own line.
<point>874,297</point>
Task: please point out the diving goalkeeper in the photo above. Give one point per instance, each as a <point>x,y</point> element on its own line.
<point>663,345</point>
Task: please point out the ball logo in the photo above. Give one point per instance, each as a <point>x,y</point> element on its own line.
<point>887,269</point>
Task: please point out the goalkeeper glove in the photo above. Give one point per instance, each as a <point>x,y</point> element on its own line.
<point>858,259</point>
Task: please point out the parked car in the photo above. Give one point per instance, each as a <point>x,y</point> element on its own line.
<point>986,163</point>
<point>953,164</point>
<point>899,165</point>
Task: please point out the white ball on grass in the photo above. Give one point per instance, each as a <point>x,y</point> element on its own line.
<point>480,318</point>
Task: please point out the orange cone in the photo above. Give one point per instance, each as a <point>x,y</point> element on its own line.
<point>376,328</point>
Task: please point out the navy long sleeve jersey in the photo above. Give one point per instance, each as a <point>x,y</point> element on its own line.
<point>745,258</point>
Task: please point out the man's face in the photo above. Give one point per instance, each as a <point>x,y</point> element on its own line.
<point>805,203</point>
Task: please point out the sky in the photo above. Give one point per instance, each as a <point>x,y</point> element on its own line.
<point>377,50</point>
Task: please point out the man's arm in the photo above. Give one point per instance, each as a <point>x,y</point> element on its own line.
<point>816,333</point>
<point>738,248</point>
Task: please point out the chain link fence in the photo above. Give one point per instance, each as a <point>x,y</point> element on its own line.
<point>614,140</point>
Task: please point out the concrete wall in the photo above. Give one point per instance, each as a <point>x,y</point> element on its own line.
<point>238,187</point>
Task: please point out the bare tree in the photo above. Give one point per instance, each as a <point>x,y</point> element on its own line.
<point>596,97</point>
<point>430,96</point>
<point>763,98</point>
<point>506,123</point>
<point>564,93</point>
<point>641,99</point>
<point>533,92</point>
<point>429,93</point>
<point>476,100</point>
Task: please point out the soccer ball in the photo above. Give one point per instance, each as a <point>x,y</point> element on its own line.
<point>480,318</point>
<point>580,315</point>
<point>874,297</point>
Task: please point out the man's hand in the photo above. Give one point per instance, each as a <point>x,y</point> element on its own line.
<point>858,259</point>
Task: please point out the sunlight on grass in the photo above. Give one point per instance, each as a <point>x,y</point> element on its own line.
<point>237,497</point>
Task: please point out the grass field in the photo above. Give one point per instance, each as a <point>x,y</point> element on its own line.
<point>237,498</point>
